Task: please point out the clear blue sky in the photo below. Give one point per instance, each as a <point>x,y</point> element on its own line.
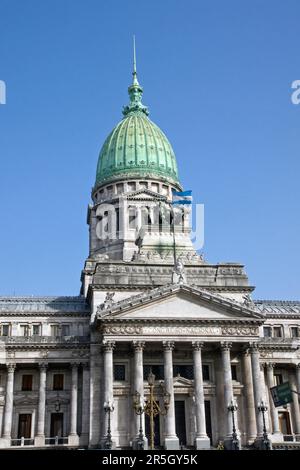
<point>217,78</point>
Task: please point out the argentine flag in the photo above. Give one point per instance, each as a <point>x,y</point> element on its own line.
<point>183,197</point>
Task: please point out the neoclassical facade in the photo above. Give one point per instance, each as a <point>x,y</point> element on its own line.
<point>148,303</point>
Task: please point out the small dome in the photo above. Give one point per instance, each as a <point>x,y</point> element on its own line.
<point>136,148</point>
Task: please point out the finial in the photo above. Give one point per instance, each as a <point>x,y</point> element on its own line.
<point>135,91</point>
<point>135,80</point>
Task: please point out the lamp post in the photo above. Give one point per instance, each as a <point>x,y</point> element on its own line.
<point>262,407</point>
<point>151,408</point>
<point>108,408</point>
<point>232,407</point>
<point>139,409</point>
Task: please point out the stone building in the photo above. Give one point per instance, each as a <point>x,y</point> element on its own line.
<point>148,302</point>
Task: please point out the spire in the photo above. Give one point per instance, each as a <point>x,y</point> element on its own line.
<point>135,80</point>
<point>135,91</point>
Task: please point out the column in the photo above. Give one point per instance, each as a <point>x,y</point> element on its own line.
<point>257,387</point>
<point>274,414</point>
<point>8,410</point>
<point>40,436</point>
<point>249,398</point>
<point>108,347</point>
<point>171,440</point>
<point>298,377</point>
<point>73,437</point>
<point>84,438</point>
<point>228,390</point>
<point>295,407</point>
<point>138,384</point>
<point>202,441</point>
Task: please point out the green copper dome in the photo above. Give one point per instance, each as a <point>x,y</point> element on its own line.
<point>136,148</point>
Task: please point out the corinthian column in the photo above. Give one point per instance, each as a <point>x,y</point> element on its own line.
<point>202,441</point>
<point>257,387</point>
<point>249,402</point>
<point>138,386</point>
<point>73,437</point>
<point>9,398</point>
<point>171,439</point>
<point>273,411</point>
<point>40,436</point>
<point>108,377</point>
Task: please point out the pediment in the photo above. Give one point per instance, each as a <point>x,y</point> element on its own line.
<point>178,303</point>
<point>144,194</point>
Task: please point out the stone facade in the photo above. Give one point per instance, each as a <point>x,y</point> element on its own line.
<point>195,326</point>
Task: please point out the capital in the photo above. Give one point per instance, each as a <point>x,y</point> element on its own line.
<point>168,345</point>
<point>197,345</point>
<point>43,366</point>
<point>254,347</point>
<point>270,365</point>
<point>225,346</point>
<point>85,366</point>
<point>138,345</point>
<point>11,367</point>
<point>74,365</point>
<point>108,346</point>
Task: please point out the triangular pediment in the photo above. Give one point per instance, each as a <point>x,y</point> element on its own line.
<point>144,194</point>
<point>177,303</point>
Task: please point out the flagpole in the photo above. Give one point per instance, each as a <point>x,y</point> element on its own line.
<point>173,231</point>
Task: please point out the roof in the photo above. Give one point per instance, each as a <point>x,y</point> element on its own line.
<point>43,304</point>
<point>278,307</point>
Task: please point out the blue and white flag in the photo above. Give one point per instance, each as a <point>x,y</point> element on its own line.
<point>181,197</point>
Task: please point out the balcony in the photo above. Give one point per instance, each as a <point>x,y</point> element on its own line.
<point>23,441</point>
<point>56,441</point>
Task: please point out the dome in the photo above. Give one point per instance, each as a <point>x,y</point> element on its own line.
<point>136,148</point>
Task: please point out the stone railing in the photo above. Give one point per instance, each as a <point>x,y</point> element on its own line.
<point>56,441</point>
<point>22,441</point>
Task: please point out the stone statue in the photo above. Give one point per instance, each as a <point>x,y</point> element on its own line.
<point>178,275</point>
<point>108,302</point>
<point>248,302</point>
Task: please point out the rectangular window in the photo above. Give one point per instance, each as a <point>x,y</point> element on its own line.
<point>54,330</point>
<point>119,372</point>
<point>26,383</point>
<point>36,330</point>
<point>234,372</point>
<point>65,330</point>
<point>120,188</point>
<point>132,218</point>
<point>24,330</point>
<point>186,371</point>
<point>205,372</point>
<point>294,332</point>
<point>157,370</point>
<point>58,381</point>
<point>5,330</point>
<point>278,379</point>
<point>277,331</point>
<point>267,331</point>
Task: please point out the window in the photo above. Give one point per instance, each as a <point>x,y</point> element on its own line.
<point>294,332</point>
<point>186,371</point>
<point>120,188</point>
<point>205,372</point>
<point>5,330</point>
<point>36,329</point>
<point>26,383</point>
<point>24,330</point>
<point>119,372</point>
<point>58,381</point>
<point>65,330</point>
<point>278,379</point>
<point>157,370</point>
<point>277,331</point>
<point>132,217</point>
<point>267,331</point>
<point>131,186</point>
<point>234,372</point>
<point>54,329</point>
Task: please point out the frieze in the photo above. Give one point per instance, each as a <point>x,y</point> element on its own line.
<point>240,331</point>
<point>122,330</point>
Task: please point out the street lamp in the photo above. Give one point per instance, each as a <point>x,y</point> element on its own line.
<point>108,408</point>
<point>139,409</point>
<point>151,408</point>
<point>232,407</point>
<point>262,407</point>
